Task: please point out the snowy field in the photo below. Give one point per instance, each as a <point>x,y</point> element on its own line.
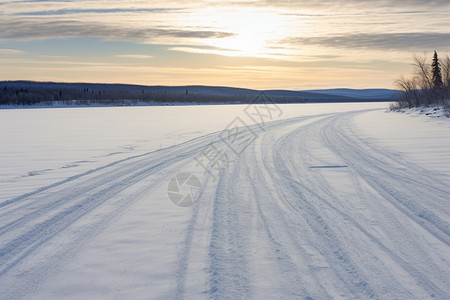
<point>304,201</point>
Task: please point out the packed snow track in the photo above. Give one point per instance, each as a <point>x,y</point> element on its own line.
<point>308,210</point>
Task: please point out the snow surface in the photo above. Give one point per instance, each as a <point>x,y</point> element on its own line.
<point>342,201</point>
<point>430,111</point>
<point>422,135</point>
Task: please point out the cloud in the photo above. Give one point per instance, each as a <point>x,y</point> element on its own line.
<point>339,3</point>
<point>94,11</point>
<point>25,29</point>
<point>136,56</point>
<point>10,51</point>
<point>379,41</point>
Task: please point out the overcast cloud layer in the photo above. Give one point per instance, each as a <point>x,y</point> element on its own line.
<point>267,40</point>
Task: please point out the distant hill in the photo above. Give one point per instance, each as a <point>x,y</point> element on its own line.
<point>368,94</point>
<point>31,92</point>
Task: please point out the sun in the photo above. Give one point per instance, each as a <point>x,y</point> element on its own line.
<point>251,32</point>
<point>250,35</point>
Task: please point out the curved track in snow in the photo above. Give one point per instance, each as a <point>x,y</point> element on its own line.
<point>309,210</point>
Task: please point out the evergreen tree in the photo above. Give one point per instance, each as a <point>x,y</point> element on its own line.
<point>436,72</point>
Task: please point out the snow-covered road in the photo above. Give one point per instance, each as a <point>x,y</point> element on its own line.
<point>310,209</point>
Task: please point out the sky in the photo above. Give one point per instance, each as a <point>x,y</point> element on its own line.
<point>282,44</point>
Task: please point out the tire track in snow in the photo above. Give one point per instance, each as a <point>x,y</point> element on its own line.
<point>16,250</point>
<point>202,218</point>
<point>56,213</point>
<point>269,217</point>
<point>39,203</point>
<point>320,191</point>
<point>285,194</point>
<point>410,182</point>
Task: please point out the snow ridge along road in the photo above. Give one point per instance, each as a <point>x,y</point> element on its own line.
<point>309,210</point>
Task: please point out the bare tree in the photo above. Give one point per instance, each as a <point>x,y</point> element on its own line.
<point>410,88</point>
<point>421,89</point>
<point>445,68</point>
<point>423,71</point>
<point>424,78</point>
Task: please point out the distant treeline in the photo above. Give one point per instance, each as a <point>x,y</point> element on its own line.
<point>12,95</point>
<point>23,93</point>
